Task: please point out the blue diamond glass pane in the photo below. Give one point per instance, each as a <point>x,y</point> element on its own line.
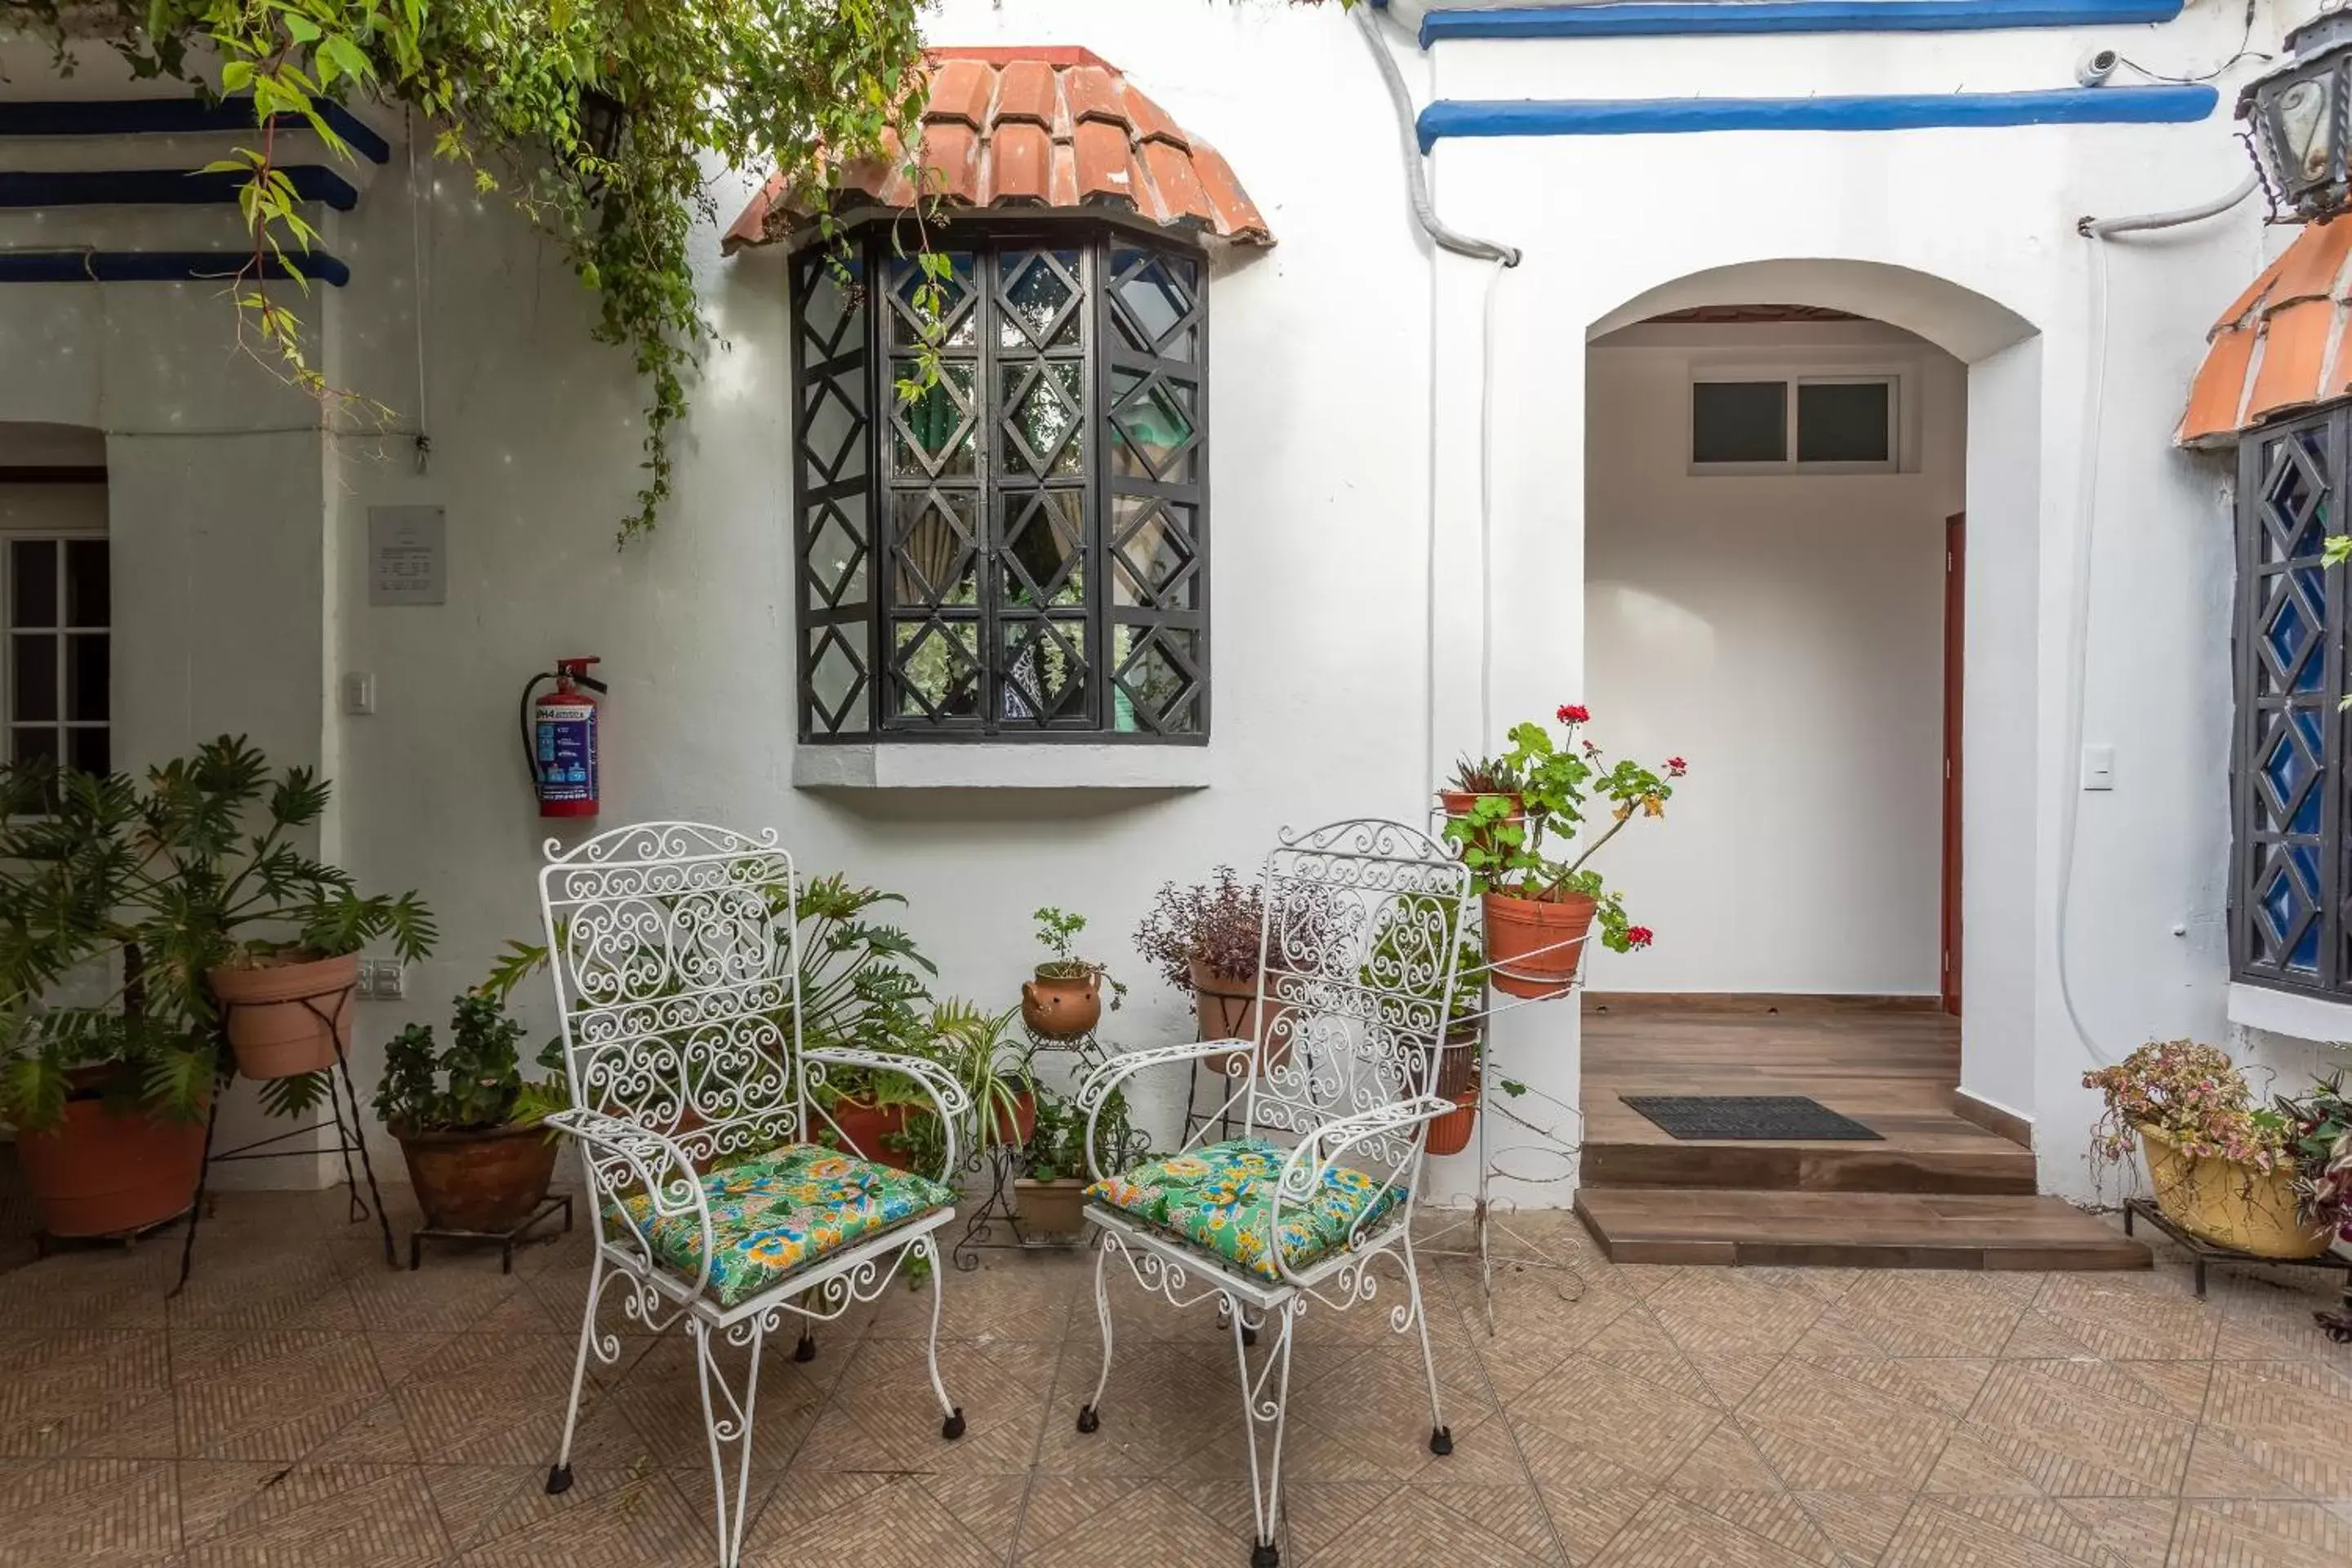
<point>2306,956</point>
<point>2287,767</point>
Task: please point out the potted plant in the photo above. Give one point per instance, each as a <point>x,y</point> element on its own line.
<point>468,1123</point>
<point>2319,1136</point>
<point>1063,1001</point>
<point>1480,779</point>
<point>1538,909</point>
<point>1407,957</point>
<point>1207,939</point>
<point>1050,1193</point>
<point>2220,1165</point>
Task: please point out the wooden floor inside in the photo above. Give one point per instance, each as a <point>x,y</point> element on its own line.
<point>1932,1189</point>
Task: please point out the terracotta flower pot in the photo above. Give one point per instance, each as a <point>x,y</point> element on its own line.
<point>1450,1134</point>
<point>1462,802</point>
<point>97,1173</point>
<point>1229,1010</point>
<point>488,1180</point>
<point>1062,1006</point>
<point>864,1126</point>
<point>2229,1204</point>
<point>1053,1208</point>
<point>1528,950</point>
<point>1457,1067</point>
<point>286,1018</point>
<point>1014,1126</point>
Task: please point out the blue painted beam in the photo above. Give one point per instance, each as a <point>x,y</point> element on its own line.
<point>1670,18</point>
<point>1892,112</point>
<point>160,187</point>
<point>160,266</point>
<point>174,116</point>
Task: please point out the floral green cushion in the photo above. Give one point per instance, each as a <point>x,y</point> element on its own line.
<point>1220,1198</point>
<point>781,1210</point>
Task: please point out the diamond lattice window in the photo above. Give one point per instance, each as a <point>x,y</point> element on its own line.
<point>2290,924</point>
<point>1019,551</point>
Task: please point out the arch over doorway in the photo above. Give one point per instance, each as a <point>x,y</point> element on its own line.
<point>1966,325</point>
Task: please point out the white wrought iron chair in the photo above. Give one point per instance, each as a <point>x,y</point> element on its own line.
<point>1360,950</point>
<point>676,956</point>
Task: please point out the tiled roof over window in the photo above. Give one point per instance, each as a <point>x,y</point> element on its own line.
<point>2281,346</point>
<point>1037,128</point>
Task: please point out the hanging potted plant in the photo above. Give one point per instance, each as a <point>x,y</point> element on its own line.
<point>1050,1193</point>
<point>468,1123</point>
<point>1063,1001</point>
<point>1208,939</point>
<point>1539,910</point>
<point>1413,945</point>
<point>2221,1166</point>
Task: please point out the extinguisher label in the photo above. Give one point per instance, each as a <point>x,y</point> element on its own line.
<point>567,753</point>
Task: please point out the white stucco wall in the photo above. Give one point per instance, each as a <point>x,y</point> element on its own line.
<point>1783,633</point>
<point>1344,420</point>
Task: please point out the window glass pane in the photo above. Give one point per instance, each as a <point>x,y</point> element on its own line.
<point>1156,690</point>
<point>29,743</point>
<point>33,684</point>
<point>1739,422</point>
<point>833,437</point>
<point>932,435</point>
<point>1044,669</point>
<point>836,554</point>
<point>33,578</point>
<point>1153,416</point>
<point>1153,295</point>
<point>87,595</point>
<point>85,676</point>
<point>938,669</point>
<point>938,548</point>
<point>1041,301</point>
<point>89,751</point>
<point>958,320</point>
<point>837,689</point>
<point>1045,408</point>
<point>829,318</point>
<point>1044,549</point>
<point>1843,422</point>
<point>1152,553</point>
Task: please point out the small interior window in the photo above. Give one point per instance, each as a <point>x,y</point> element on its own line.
<point>1739,422</point>
<point>1845,422</point>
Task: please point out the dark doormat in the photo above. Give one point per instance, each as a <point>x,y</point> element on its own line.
<point>1773,1116</point>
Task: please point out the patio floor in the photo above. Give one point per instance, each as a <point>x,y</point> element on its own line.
<point>302,1404</point>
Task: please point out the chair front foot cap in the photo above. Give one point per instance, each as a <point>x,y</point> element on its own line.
<point>1440,1440</point>
<point>1087,1420</point>
<point>558,1480</point>
<point>1264,1554</point>
<point>805,1350</point>
<point>952,1427</point>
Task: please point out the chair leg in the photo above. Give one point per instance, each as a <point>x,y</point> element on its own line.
<point>1260,1410</point>
<point>558,1477</point>
<point>727,1422</point>
<point>1090,1413</point>
<point>1441,1435</point>
<point>952,1428</point>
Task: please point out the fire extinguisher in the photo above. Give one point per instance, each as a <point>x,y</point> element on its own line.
<point>559,738</point>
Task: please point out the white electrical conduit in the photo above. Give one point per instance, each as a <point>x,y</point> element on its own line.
<point>1504,256</point>
<point>2095,389</point>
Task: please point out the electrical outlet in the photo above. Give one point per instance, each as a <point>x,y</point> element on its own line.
<point>391,979</point>
<point>366,985</point>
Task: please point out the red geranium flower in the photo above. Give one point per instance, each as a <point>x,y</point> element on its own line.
<point>1573,713</point>
<point>1638,936</point>
<point>1676,767</point>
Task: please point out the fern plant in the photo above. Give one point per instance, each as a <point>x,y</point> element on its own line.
<point>117,898</point>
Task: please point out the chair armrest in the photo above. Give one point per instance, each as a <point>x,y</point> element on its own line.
<point>622,1154</point>
<point>1304,1170</point>
<point>948,1096</point>
<point>1097,1085</point>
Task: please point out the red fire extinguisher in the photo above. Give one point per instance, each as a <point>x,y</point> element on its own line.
<point>559,739</point>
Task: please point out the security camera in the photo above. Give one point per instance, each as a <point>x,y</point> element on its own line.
<point>2095,66</point>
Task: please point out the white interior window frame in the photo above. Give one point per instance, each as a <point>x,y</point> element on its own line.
<point>1893,377</point>
<point>15,529</point>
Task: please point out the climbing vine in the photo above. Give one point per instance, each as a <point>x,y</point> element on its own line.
<point>598,119</point>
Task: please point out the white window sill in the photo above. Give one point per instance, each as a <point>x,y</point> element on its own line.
<point>2286,1013</point>
<point>938,765</point>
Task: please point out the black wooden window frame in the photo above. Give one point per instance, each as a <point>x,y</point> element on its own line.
<point>2287,774</point>
<point>833,621</point>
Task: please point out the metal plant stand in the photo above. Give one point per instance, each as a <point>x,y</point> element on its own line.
<point>2203,1253</point>
<point>552,1203</point>
<point>1003,1164</point>
<point>350,1135</point>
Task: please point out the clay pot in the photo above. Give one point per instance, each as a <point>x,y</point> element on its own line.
<point>489,1181</point>
<point>1051,1209</point>
<point>1462,802</point>
<point>1014,1126</point>
<point>1450,1134</point>
<point>1229,1010</point>
<point>1528,942</point>
<point>1457,1067</point>
<point>278,1013</point>
<point>97,1173</point>
<point>1062,1006</point>
<point>2231,1205</point>
<point>863,1126</point>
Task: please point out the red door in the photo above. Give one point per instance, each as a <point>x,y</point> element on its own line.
<point>1956,572</point>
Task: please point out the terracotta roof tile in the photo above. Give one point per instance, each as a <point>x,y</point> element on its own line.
<point>1037,127</point>
<point>2280,345</point>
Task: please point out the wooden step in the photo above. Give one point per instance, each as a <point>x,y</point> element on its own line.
<point>1852,1230</point>
<point>1921,1152</point>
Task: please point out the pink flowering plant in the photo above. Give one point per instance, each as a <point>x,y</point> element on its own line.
<point>2194,1097</point>
<point>1561,785</point>
<point>2319,1134</point>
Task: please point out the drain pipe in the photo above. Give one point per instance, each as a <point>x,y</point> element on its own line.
<point>1504,256</point>
<point>2078,628</point>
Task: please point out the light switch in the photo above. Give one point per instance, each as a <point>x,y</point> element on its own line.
<point>358,692</point>
<point>2098,767</point>
<point>391,979</point>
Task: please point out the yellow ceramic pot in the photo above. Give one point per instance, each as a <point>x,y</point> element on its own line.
<point>2228,1203</point>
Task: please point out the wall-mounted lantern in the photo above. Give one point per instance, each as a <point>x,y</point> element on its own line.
<point>2296,113</point>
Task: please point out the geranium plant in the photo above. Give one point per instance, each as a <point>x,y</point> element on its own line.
<point>2195,1097</point>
